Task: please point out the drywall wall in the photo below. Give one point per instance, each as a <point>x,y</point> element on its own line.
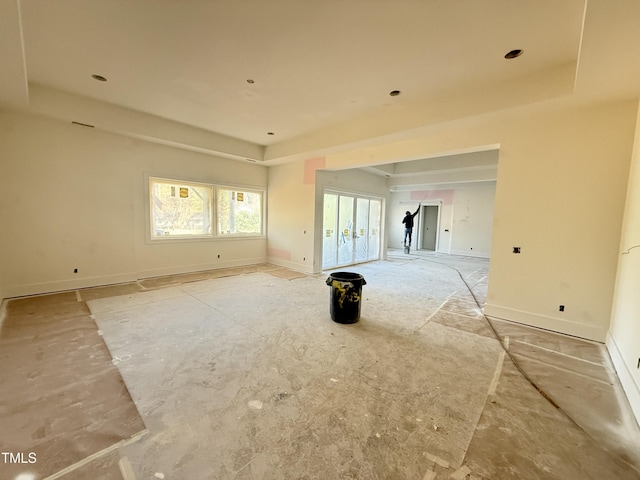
<point>466,218</point>
<point>290,214</point>
<point>74,197</point>
<point>623,340</point>
<point>295,209</point>
<point>560,195</point>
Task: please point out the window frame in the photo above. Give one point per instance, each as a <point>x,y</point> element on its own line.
<point>152,238</point>
<point>235,188</point>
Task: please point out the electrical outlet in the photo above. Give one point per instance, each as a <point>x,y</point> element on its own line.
<point>516,249</point>
<point>75,270</point>
<point>561,308</point>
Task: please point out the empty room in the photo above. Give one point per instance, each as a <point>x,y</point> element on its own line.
<point>348,239</point>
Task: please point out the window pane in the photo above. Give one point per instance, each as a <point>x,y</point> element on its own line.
<point>239,212</point>
<point>180,209</point>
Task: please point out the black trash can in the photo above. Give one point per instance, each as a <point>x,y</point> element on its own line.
<point>346,293</point>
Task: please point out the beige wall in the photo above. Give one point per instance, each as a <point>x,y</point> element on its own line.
<point>624,337</point>
<point>290,216</point>
<point>74,197</point>
<point>560,192</point>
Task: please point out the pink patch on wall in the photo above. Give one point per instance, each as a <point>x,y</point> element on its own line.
<point>310,167</point>
<point>446,196</point>
<point>278,253</point>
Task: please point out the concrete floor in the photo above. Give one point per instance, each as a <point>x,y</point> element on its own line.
<point>241,374</point>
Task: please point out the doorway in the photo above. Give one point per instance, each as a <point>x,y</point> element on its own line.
<point>351,228</point>
<point>430,216</point>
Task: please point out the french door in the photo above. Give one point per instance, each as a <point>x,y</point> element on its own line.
<point>351,229</point>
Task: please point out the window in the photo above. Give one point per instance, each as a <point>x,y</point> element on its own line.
<point>180,209</point>
<point>239,212</point>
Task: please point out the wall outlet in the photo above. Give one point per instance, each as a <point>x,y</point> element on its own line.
<point>516,249</point>
<point>561,308</point>
<point>75,270</point>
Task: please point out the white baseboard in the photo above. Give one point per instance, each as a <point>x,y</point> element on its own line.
<point>200,267</point>
<point>86,282</point>
<point>64,285</point>
<point>630,387</point>
<point>576,329</point>
<point>298,267</point>
<point>470,253</point>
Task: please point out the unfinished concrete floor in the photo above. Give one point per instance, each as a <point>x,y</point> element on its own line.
<point>241,374</point>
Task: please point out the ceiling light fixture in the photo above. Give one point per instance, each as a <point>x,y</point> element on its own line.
<point>100,78</point>
<point>394,93</point>
<point>513,54</point>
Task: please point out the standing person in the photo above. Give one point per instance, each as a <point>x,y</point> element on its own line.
<point>408,224</point>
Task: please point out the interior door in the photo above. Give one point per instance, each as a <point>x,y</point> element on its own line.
<point>429,227</point>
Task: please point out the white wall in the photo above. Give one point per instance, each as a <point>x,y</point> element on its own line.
<point>74,197</point>
<point>623,340</point>
<point>466,218</point>
<point>562,177</point>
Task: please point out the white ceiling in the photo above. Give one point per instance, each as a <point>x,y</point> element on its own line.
<point>322,70</point>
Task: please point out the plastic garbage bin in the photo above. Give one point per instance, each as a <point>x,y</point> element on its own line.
<point>346,293</point>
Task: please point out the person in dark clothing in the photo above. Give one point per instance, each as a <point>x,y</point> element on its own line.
<point>408,224</point>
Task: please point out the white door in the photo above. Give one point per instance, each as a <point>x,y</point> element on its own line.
<point>351,230</point>
<point>429,227</point>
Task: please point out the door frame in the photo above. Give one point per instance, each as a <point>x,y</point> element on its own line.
<point>356,196</point>
<point>422,223</point>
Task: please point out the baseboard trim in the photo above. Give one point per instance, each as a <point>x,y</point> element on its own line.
<point>630,387</point>
<point>298,267</point>
<point>65,285</point>
<point>98,281</point>
<point>589,332</point>
<point>200,267</point>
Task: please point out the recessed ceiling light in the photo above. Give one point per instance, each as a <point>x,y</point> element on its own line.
<point>100,78</point>
<point>513,54</point>
<point>394,93</point>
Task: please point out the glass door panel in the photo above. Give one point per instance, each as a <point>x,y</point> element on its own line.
<point>375,209</point>
<point>361,230</point>
<point>330,233</point>
<point>345,236</point>
<point>351,230</point>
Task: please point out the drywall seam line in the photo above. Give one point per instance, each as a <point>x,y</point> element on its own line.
<point>96,455</point>
<point>559,353</point>
<point>604,382</point>
<point>496,374</point>
<point>431,316</point>
<point>125,469</point>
